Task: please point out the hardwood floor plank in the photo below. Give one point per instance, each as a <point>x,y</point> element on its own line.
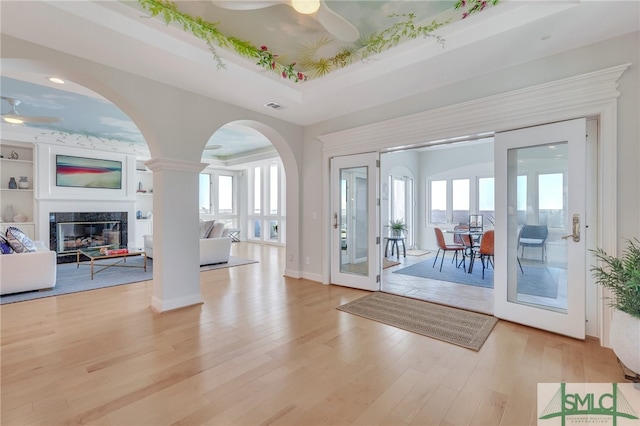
<point>265,349</point>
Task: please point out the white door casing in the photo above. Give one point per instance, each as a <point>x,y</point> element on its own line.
<point>355,260</point>
<point>557,150</point>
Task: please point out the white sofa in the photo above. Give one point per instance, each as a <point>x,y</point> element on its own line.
<point>215,249</point>
<point>27,271</point>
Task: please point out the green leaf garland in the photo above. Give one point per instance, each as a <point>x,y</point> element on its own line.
<point>375,43</point>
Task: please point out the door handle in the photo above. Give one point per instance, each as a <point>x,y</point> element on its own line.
<point>335,221</point>
<point>575,228</point>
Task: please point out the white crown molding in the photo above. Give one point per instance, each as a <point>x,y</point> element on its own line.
<point>558,100</point>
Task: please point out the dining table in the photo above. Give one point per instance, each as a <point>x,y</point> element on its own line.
<point>471,243</point>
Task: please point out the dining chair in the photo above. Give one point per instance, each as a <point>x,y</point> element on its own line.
<point>461,240</point>
<point>444,247</point>
<point>486,250</point>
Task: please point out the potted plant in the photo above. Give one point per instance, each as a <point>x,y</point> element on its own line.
<point>621,275</point>
<point>397,227</point>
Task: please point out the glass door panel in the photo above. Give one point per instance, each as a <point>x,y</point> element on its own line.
<point>354,260</point>
<point>540,256</point>
<point>539,248</point>
<point>354,221</point>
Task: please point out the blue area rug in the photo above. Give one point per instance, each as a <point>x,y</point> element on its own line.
<point>536,280</point>
<point>71,279</point>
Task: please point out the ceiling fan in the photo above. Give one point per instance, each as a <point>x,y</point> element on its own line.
<point>335,24</point>
<point>13,117</point>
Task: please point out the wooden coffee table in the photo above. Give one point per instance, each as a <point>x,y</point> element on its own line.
<point>120,258</point>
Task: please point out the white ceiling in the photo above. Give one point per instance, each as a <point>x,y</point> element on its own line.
<point>511,33</point>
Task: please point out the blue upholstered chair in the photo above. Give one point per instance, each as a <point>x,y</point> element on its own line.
<point>534,236</point>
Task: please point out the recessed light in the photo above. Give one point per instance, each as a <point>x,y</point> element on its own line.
<point>56,80</point>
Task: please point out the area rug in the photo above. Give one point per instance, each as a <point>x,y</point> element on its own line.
<point>536,281</point>
<point>71,279</point>
<point>457,326</point>
<point>415,252</point>
<point>386,263</point>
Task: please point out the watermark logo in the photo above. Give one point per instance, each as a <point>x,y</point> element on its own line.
<point>616,404</point>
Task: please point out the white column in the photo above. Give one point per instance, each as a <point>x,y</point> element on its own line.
<point>176,247</point>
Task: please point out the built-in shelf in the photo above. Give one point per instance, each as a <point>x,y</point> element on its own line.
<point>16,199</point>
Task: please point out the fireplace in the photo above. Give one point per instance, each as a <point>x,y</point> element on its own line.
<point>71,231</point>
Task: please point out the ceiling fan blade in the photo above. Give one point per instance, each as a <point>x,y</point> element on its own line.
<point>339,27</point>
<point>31,119</point>
<point>14,118</point>
<point>246,4</point>
<point>36,119</point>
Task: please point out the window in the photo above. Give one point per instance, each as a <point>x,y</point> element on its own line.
<point>453,200</point>
<point>225,194</point>
<point>438,201</point>
<point>486,198</point>
<point>551,199</point>
<point>521,198</point>
<point>274,189</point>
<point>218,197</point>
<point>460,200</point>
<point>204,194</point>
<point>398,205</point>
<point>266,222</point>
<point>257,190</point>
<point>401,204</point>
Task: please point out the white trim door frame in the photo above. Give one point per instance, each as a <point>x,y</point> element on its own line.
<point>558,150</point>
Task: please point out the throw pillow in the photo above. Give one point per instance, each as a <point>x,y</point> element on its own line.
<point>217,230</point>
<point>19,241</point>
<point>5,247</point>
<point>205,228</point>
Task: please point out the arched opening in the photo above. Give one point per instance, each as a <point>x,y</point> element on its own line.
<point>263,164</point>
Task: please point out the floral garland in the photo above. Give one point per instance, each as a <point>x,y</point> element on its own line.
<point>473,6</point>
<point>375,43</point>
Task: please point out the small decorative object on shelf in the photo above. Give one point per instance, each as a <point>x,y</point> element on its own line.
<point>20,217</point>
<point>23,183</point>
<point>14,155</point>
<point>12,183</point>
<point>8,213</point>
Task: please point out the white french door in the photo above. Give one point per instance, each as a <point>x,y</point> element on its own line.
<point>540,191</point>
<point>354,221</point>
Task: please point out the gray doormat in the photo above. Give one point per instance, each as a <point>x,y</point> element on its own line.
<point>457,326</point>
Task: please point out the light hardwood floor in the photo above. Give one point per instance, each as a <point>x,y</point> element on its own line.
<point>264,349</point>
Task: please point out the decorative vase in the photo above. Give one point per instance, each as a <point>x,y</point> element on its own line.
<point>625,339</point>
<point>12,183</point>
<point>20,217</point>
<point>8,213</point>
<point>23,183</point>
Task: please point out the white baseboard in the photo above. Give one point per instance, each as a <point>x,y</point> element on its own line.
<point>160,306</point>
<point>312,277</point>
